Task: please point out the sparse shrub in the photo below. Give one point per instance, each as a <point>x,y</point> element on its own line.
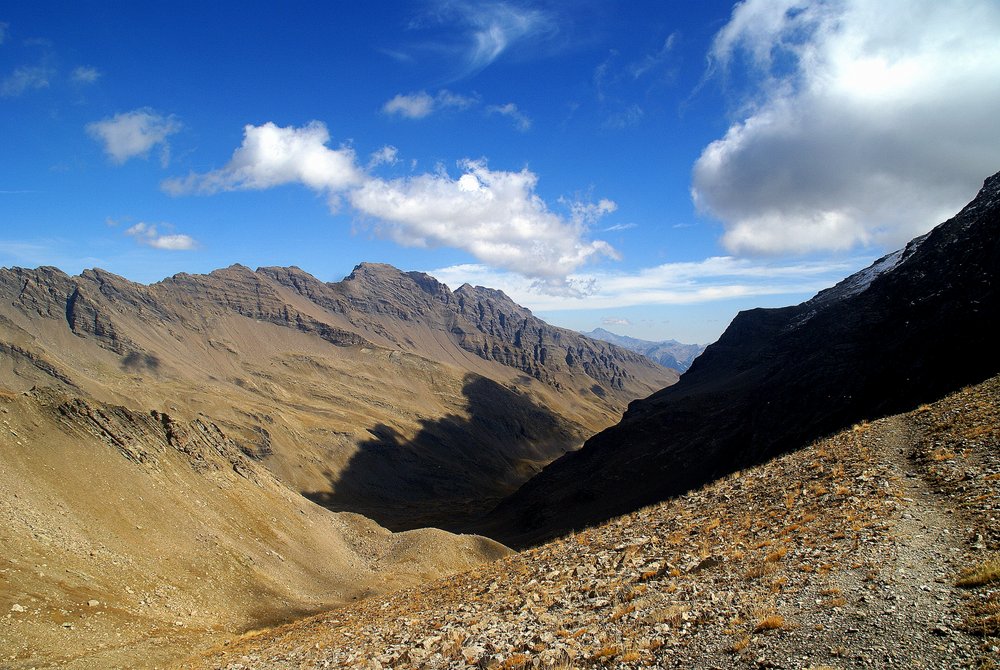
<point>942,454</point>
<point>740,645</point>
<point>771,622</point>
<point>515,661</point>
<point>761,570</point>
<point>606,652</point>
<point>776,555</point>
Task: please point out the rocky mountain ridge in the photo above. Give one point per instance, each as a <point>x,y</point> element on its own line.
<point>778,378</point>
<point>386,393</point>
<point>668,353</point>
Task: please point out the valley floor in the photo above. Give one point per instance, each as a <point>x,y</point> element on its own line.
<point>877,547</point>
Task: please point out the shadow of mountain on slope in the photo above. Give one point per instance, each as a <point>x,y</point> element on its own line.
<point>914,327</point>
<point>456,467</point>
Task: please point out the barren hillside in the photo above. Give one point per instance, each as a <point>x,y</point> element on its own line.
<point>132,538</point>
<point>876,547</point>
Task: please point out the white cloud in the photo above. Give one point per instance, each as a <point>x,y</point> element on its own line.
<point>489,29</point>
<point>147,234</point>
<point>134,134</point>
<point>654,61</point>
<point>85,75</point>
<point>494,215</point>
<point>614,321</point>
<point>868,123</point>
<point>619,227</point>
<point>421,104</point>
<point>387,155</point>
<point>26,78</point>
<point>684,283</point>
<point>271,156</point>
<point>521,120</point>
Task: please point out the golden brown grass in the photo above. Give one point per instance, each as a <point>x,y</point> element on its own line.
<point>770,622</point>
<point>984,573</point>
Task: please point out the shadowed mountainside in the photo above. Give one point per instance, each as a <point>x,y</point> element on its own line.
<point>915,325</point>
<point>405,483</point>
<point>827,557</point>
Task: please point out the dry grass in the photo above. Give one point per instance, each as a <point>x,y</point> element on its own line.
<point>984,617</point>
<point>776,555</point>
<point>740,645</point>
<point>984,573</point>
<point>770,622</point>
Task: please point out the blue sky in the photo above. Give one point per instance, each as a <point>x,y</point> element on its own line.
<point>648,167</point>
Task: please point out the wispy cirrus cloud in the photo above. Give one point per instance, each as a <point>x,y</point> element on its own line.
<point>494,215</point>
<point>148,234</point>
<point>134,134</point>
<point>682,283</point>
<point>484,31</point>
<point>864,123</point>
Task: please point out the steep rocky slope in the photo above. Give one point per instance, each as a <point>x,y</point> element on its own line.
<point>386,393</point>
<point>915,325</point>
<point>668,353</point>
<point>131,538</point>
<point>875,548</point>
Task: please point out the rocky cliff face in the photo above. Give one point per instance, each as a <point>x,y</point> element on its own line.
<point>913,326</point>
<point>385,393</point>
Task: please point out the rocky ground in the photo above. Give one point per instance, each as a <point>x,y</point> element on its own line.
<point>877,547</point>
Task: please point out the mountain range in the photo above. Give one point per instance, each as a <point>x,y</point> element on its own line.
<point>668,353</point>
<point>162,446</point>
<point>189,460</point>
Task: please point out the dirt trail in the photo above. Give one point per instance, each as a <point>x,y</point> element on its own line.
<point>921,600</point>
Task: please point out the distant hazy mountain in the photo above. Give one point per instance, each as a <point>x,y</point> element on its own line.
<point>916,325</point>
<point>668,353</point>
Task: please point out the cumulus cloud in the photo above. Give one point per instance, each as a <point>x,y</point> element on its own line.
<point>85,75</point>
<point>134,134</point>
<point>494,215</point>
<point>521,120</point>
<point>271,156</point>
<point>614,321</point>
<point>867,123</point>
<point>148,235</point>
<point>26,78</point>
<point>421,104</point>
